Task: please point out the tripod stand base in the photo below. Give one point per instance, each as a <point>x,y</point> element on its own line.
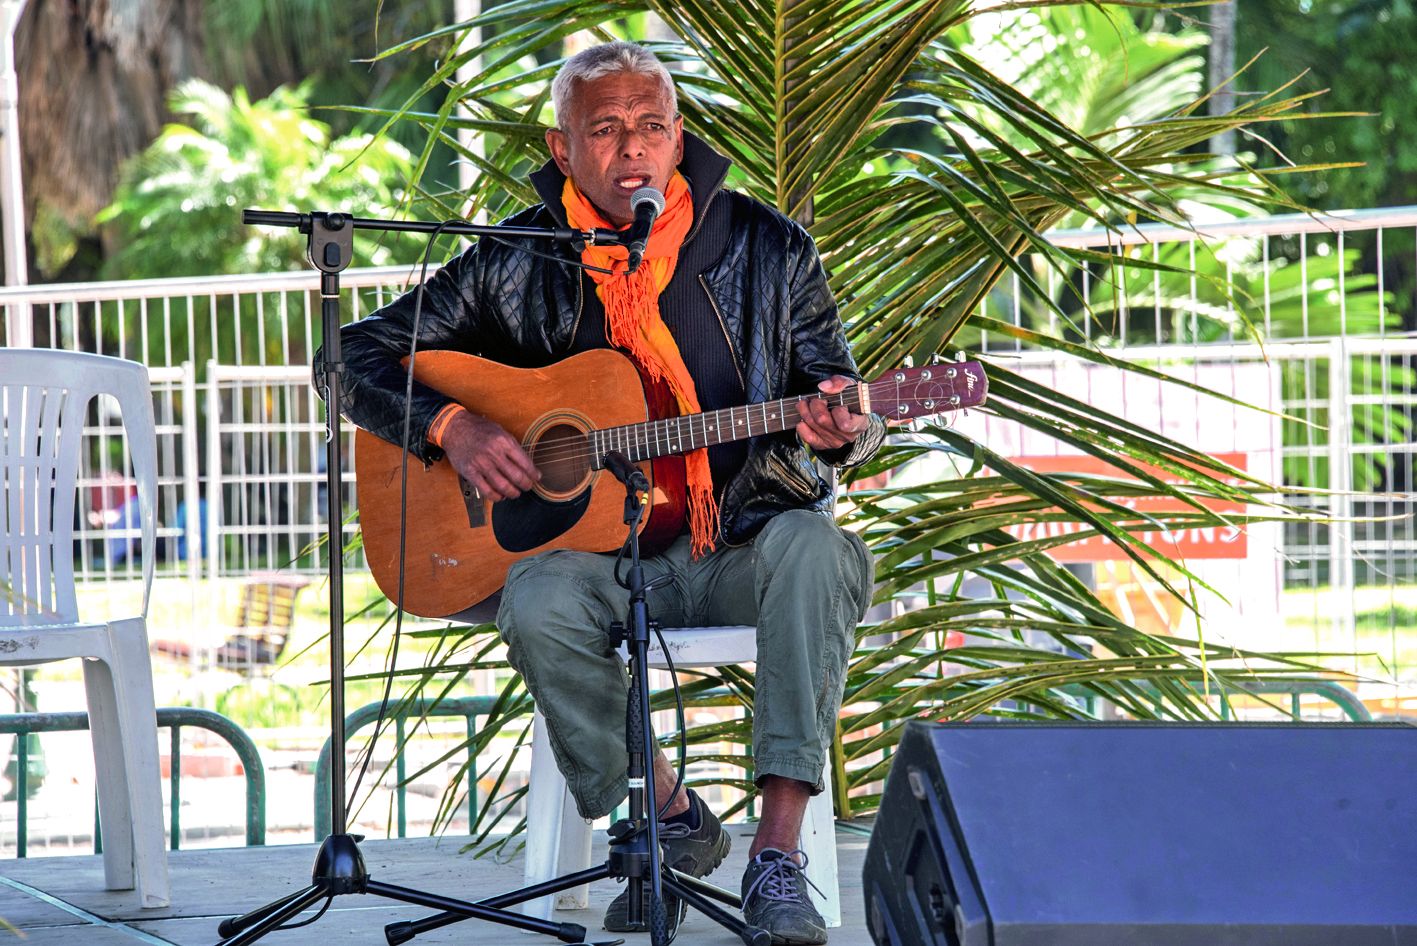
<point>339,870</point>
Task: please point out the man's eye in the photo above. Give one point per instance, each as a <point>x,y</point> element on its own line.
<point>600,132</point>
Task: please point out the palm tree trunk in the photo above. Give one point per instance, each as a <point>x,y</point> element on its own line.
<point>798,203</point>
<point>1222,67</point>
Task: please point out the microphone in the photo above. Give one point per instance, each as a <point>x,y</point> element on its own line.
<point>647,204</point>
<point>625,471</point>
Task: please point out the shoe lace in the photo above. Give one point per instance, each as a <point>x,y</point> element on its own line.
<point>668,830</point>
<point>779,880</point>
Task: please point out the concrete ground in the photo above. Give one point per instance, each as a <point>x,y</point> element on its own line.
<point>59,901</point>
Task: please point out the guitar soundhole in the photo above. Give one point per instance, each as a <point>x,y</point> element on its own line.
<point>563,457</point>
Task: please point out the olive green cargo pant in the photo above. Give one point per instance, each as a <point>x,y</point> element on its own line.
<point>803,582</point>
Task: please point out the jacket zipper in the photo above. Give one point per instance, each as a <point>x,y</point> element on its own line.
<point>703,216</point>
<point>580,305</point>
<point>723,324</point>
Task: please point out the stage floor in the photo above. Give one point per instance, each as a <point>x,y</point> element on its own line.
<point>58,901</point>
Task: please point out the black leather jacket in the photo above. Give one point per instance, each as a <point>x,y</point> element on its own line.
<point>503,303</point>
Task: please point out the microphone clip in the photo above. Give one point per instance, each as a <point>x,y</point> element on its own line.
<point>634,479</point>
<point>626,472</point>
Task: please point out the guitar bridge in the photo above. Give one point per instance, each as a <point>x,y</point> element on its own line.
<point>472,499</point>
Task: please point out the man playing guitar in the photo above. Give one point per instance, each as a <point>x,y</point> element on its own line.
<point>730,307</point>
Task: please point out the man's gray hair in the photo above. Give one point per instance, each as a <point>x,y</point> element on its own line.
<point>603,60</point>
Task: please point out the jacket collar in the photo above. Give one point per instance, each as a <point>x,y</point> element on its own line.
<point>704,168</point>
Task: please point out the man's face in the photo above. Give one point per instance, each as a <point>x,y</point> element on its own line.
<point>621,134</point>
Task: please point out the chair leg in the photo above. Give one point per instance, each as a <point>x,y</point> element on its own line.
<point>558,838</point>
<point>818,842</point>
<point>110,773</point>
<point>573,852</point>
<point>132,677</point>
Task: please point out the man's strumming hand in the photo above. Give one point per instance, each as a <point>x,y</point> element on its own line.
<point>488,457</point>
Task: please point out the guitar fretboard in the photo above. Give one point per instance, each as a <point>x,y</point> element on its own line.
<point>681,434</point>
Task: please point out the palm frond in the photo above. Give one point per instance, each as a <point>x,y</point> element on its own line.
<point>925,177</point>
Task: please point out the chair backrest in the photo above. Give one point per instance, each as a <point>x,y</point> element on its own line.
<point>44,398</point>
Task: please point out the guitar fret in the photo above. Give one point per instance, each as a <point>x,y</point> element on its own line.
<point>680,435</point>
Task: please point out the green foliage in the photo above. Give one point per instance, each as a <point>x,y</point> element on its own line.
<point>1360,51</point>
<point>177,211</point>
<point>265,704</point>
<point>1095,68</point>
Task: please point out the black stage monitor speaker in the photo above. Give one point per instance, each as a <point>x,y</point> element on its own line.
<point>1137,834</point>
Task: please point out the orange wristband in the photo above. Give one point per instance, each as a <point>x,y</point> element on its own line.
<point>441,422</point>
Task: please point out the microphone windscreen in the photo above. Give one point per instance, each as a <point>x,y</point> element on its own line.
<point>650,194</point>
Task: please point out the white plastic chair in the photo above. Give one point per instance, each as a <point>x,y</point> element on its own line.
<point>44,397</point>
<point>559,839</point>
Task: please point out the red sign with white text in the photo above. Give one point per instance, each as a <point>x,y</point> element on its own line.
<point>1188,542</point>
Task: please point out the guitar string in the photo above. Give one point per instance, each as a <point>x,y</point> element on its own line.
<point>669,429</point>
<point>661,430</point>
<point>574,448</point>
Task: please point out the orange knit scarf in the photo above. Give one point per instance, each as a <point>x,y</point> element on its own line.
<point>633,323</point>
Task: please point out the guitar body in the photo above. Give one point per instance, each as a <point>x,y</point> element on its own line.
<point>460,547</point>
<point>458,553</point>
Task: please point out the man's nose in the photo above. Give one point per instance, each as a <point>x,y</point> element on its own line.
<point>632,144</point>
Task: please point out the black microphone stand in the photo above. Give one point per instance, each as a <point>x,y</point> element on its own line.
<point>634,841</point>
<point>339,867</point>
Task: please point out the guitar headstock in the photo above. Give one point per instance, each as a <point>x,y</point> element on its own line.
<point>905,393</point>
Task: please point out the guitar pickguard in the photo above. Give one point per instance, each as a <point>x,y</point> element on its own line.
<point>532,520</point>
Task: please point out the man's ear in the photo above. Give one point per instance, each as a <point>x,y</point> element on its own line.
<point>556,142</point>
<point>678,140</point>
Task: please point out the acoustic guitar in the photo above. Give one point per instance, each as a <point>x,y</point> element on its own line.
<point>568,416</point>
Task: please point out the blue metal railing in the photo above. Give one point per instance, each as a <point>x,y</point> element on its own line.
<point>467,707</point>
<point>174,718</point>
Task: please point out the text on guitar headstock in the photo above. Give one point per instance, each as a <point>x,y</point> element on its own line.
<point>903,394</point>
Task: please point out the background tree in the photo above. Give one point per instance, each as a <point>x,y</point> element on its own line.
<point>1360,53</point>
<point>177,209</point>
<point>95,77</point>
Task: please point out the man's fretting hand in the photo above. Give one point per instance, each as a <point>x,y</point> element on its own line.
<point>824,428</point>
<point>488,457</point>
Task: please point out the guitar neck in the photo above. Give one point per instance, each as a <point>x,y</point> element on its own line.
<point>681,434</point>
